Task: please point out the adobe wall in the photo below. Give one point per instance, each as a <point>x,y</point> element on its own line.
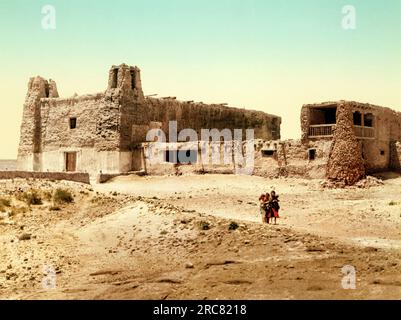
<point>154,156</point>
<point>288,158</point>
<point>96,137</point>
<point>292,159</point>
<point>194,116</point>
<point>30,132</point>
<point>138,113</point>
<point>97,123</point>
<point>76,177</point>
<point>109,125</point>
<point>377,152</point>
<point>395,161</point>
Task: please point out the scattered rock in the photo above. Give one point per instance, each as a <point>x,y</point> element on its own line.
<point>220,263</point>
<point>369,182</point>
<point>169,280</point>
<point>24,237</point>
<point>314,288</point>
<point>238,282</point>
<point>314,249</point>
<point>105,272</point>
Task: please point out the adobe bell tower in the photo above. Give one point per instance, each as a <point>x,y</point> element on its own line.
<point>127,80</point>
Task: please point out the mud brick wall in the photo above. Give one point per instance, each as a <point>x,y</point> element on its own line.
<point>197,117</point>
<point>109,125</point>
<point>30,134</point>
<point>291,158</point>
<point>76,177</point>
<point>105,120</point>
<point>97,123</point>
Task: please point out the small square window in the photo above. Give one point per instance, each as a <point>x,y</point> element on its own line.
<point>268,153</point>
<point>73,123</point>
<point>382,153</point>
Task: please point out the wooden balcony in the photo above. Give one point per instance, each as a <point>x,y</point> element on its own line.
<point>321,130</point>
<point>364,132</point>
<point>327,130</point>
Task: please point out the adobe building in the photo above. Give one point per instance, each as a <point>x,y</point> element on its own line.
<point>106,132</point>
<point>342,141</point>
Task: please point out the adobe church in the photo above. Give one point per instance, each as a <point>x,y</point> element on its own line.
<point>106,132</point>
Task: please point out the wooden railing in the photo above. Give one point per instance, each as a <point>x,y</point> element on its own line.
<point>327,130</point>
<point>321,130</point>
<point>364,132</point>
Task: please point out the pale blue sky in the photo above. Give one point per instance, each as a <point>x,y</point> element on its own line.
<point>259,54</point>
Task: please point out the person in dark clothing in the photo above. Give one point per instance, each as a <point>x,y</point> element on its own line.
<point>268,208</point>
<point>275,206</point>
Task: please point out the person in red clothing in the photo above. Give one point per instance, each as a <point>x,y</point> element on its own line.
<point>268,208</point>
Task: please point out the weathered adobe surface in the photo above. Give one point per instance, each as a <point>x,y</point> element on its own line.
<point>395,161</point>
<point>345,163</point>
<point>292,159</point>
<point>305,115</point>
<point>31,113</point>
<point>105,120</point>
<point>140,111</point>
<point>388,121</point>
<point>196,117</point>
<point>97,123</point>
<point>30,136</point>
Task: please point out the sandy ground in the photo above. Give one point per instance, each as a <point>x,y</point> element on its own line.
<point>146,238</point>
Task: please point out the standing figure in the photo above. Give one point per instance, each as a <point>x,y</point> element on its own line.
<point>262,206</point>
<point>275,207</point>
<point>268,208</point>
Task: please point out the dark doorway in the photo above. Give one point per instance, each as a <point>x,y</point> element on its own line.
<point>171,156</point>
<point>312,154</point>
<point>357,118</point>
<point>368,119</point>
<point>326,115</point>
<point>73,123</point>
<point>114,79</point>
<point>70,161</point>
<point>182,156</point>
<point>47,90</point>
<point>137,163</point>
<point>133,80</point>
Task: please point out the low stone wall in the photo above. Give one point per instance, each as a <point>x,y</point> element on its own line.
<point>76,177</point>
<point>104,177</point>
